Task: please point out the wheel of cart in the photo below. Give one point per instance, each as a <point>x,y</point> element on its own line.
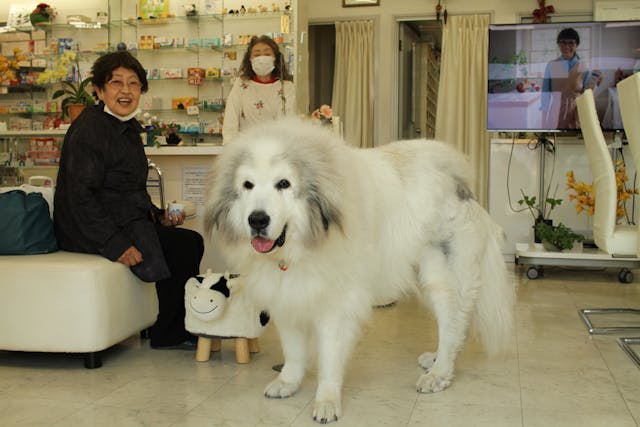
<point>625,276</point>
<point>534,272</point>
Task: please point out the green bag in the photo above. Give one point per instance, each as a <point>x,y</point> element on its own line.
<point>25,225</point>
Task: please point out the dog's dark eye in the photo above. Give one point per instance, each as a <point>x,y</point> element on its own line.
<point>247,185</point>
<point>282,184</point>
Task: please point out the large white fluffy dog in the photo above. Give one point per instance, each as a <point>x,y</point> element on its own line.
<point>321,231</point>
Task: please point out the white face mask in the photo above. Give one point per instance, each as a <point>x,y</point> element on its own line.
<point>121,118</point>
<point>263,65</point>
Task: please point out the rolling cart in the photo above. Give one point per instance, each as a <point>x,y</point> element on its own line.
<point>537,257</point>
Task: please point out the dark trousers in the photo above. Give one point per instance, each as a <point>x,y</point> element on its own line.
<point>183,250</point>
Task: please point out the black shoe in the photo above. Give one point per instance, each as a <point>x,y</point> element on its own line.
<point>278,367</point>
<point>185,345</point>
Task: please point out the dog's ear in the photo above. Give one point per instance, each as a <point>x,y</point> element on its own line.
<point>325,210</point>
<point>220,197</point>
<point>323,192</point>
<point>213,214</point>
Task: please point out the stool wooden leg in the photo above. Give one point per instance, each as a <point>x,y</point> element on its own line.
<point>216,344</point>
<point>203,351</point>
<point>242,350</point>
<point>254,346</point>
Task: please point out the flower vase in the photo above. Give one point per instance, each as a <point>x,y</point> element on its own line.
<point>536,237</point>
<point>173,139</point>
<point>75,110</point>
<point>39,19</point>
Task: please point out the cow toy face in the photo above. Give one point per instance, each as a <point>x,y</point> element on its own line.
<point>206,295</point>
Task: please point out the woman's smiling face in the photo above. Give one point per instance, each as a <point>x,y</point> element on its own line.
<point>567,48</point>
<point>122,93</point>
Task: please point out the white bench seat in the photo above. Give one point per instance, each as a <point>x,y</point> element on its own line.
<point>71,302</point>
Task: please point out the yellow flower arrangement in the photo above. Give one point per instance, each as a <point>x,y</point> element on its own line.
<point>61,69</point>
<point>8,67</point>
<point>585,197</point>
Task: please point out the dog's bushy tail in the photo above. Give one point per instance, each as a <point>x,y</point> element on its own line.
<point>494,317</point>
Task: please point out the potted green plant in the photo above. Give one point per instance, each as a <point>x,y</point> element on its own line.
<point>557,238</point>
<point>554,238</point>
<point>540,214</point>
<point>75,97</point>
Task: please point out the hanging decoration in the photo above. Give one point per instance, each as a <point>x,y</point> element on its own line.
<point>440,9</point>
<point>540,14</point>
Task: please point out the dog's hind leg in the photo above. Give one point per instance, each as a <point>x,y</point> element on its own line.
<point>294,346</point>
<point>440,291</point>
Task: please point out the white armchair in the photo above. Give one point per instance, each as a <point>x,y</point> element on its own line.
<point>619,240</point>
<point>612,238</point>
<point>629,96</point>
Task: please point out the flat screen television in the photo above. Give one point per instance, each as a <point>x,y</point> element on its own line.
<point>532,89</point>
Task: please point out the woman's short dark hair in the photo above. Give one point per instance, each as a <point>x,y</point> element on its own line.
<point>280,71</point>
<point>568,34</point>
<point>102,70</point>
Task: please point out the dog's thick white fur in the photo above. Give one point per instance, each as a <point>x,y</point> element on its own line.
<point>320,231</point>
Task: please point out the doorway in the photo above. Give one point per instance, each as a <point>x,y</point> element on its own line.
<point>322,55</point>
<point>419,44</point>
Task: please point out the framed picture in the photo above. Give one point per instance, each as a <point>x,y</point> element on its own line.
<point>353,3</point>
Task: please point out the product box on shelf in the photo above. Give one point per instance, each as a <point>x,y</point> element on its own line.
<point>19,123</point>
<point>230,55</point>
<point>195,76</point>
<point>183,102</point>
<point>212,73</point>
<point>171,73</point>
<point>44,151</point>
<point>145,42</point>
<point>163,42</point>
<point>64,44</point>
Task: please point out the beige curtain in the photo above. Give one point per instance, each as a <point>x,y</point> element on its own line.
<point>352,98</point>
<point>462,94</point>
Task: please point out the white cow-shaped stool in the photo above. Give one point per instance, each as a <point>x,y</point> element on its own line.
<point>216,308</point>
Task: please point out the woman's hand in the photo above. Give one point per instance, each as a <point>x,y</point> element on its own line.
<point>171,220</point>
<point>130,257</point>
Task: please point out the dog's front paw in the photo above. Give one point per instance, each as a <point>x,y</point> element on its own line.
<point>279,389</point>
<point>426,360</point>
<point>326,411</point>
<point>430,383</point>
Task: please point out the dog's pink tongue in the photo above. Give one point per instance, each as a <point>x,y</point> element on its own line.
<point>261,244</point>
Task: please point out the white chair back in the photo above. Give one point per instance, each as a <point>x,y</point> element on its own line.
<point>602,171</point>
<point>629,96</point>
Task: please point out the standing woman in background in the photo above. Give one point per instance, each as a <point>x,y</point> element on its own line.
<point>264,91</point>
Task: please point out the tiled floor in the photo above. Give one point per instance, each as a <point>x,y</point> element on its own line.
<point>554,375</point>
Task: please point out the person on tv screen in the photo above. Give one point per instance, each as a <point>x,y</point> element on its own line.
<point>565,78</point>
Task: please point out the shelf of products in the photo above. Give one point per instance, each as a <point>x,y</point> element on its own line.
<point>192,62</point>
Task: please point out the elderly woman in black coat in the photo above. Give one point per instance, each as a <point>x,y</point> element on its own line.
<point>101,202</point>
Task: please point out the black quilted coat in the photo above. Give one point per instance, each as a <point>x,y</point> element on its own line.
<point>101,202</point>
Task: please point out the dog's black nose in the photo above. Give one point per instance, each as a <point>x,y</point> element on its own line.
<point>259,220</point>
